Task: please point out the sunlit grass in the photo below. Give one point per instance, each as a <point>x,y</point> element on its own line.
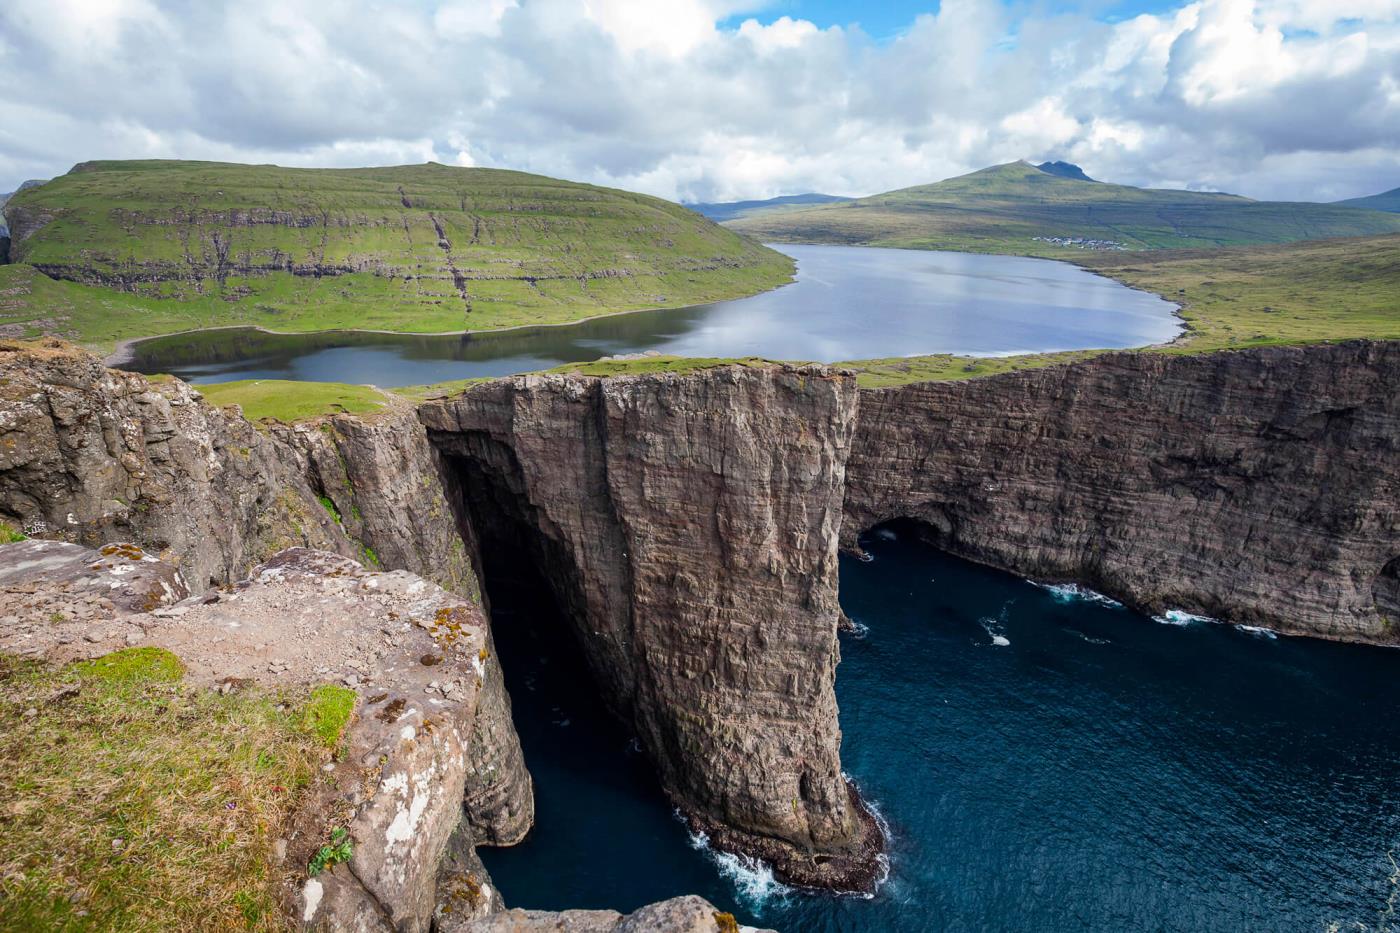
<point>131,801</point>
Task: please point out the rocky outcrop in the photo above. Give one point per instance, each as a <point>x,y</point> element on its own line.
<point>1257,486</point>
<point>382,479</point>
<point>60,600</point>
<point>90,455</point>
<point>417,656</point>
<point>689,914</point>
<point>688,526</point>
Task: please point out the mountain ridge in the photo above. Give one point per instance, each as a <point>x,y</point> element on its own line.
<point>1021,209</point>
<point>1388,201</point>
<point>727,210</point>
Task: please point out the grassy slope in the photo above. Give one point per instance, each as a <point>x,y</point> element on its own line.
<point>288,401</point>
<point>1385,201</point>
<point>196,244</point>
<point>1003,208</point>
<point>134,802</point>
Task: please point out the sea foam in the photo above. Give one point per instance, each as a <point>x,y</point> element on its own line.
<point>1073,592</point>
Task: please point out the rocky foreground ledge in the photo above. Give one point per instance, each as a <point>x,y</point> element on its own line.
<point>417,659</point>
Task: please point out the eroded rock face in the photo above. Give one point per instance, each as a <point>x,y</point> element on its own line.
<point>91,455</point>
<point>689,914</point>
<point>383,479</point>
<point>1258,486</point>
<point>688,525</point>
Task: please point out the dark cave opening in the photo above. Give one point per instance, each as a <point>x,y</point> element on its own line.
<point>598,800</point>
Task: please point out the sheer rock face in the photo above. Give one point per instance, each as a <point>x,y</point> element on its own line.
<point>383,479</point>
<point>1258,486</point>
<point>688,526</point>
<point>91,455</point>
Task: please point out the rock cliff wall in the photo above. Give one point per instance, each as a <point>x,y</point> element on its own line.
<point>91,455</point>
<point>1259,486</point>
<point>688,526</point>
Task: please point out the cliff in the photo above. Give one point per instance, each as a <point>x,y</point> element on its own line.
<point>688,525</point>
<point>90,455</point>
<point>1259,486</point>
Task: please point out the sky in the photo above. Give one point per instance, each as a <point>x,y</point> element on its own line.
<point>711,100</point>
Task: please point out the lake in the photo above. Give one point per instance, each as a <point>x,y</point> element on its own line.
<point>847,303</point>
<point>1046,761</point>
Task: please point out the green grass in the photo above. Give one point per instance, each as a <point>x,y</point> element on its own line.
<point>132,665</point>
<point>130,801</point>
<point>183,245</point>
<point>9,534</point>
<point>288,401</point>
<point>1003,209</point>
<point>328,712</point>
<point>632,367</point>
<point>655,364</point>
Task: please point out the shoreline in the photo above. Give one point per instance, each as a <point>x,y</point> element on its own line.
<point>123,351</point>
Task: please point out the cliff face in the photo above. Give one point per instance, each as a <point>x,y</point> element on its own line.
<point>381,476</point>
<point>91,455</point>
<point>1258,486</point>
<point>688,527</point>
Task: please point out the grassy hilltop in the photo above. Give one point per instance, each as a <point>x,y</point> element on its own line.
<point>137,248</point>
<point>1003,209</point>
<point>1385,201</point>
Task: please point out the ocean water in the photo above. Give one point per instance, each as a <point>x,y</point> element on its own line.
<point>847,303</point>
<point>1046,760</point>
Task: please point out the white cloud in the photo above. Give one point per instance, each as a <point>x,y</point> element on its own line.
<point>1272,98</point>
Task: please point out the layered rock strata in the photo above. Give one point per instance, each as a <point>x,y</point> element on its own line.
<point>1258,486</point>
<point>90,455</point>
<point>687,525</point>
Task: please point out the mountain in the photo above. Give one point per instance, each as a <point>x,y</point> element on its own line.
<point>729,210</point>
<point>417,248</point>
<point>1385,201</point>
<point>1021,209</point>
<point>1064,170</point>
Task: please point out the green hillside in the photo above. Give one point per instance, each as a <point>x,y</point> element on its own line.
<point>423,248</point>
<point>1018,208</point>
<point>1385,201</point>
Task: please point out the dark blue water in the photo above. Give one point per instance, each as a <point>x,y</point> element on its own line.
<point>847,303</point>
<point>1097,771</point>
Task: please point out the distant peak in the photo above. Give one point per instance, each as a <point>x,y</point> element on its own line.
<point>1064,170</point>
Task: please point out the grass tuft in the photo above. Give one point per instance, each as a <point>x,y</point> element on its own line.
<point>130,801</point>
<point>328,712</point>
<point>133,666</point>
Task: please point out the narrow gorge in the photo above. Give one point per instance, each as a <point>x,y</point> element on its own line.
<point>687,525</point>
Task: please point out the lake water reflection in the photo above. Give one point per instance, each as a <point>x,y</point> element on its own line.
<point>847,303</point>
